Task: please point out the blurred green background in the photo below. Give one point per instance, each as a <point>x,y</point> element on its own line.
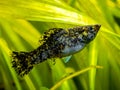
<point>22,22</point>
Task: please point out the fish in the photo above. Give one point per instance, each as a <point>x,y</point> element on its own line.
<point>55,43</point>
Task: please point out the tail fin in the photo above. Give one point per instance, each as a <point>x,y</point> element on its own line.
<point>22,62</point>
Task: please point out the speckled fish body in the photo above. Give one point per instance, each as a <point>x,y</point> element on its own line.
<point>78,38</point>
<point>56,43</point>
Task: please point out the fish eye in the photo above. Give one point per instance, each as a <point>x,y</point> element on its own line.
<point>90,28</point>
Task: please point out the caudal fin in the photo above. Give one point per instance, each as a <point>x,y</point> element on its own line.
<point>22,62</point>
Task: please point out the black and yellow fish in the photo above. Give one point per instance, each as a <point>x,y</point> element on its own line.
<point>56,43</point>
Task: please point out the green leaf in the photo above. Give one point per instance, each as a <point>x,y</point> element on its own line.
<point>22,23</point>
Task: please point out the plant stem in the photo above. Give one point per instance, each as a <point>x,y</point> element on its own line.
<point>73,75</point>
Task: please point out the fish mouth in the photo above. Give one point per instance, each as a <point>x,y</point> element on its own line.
<point>97,27</point>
